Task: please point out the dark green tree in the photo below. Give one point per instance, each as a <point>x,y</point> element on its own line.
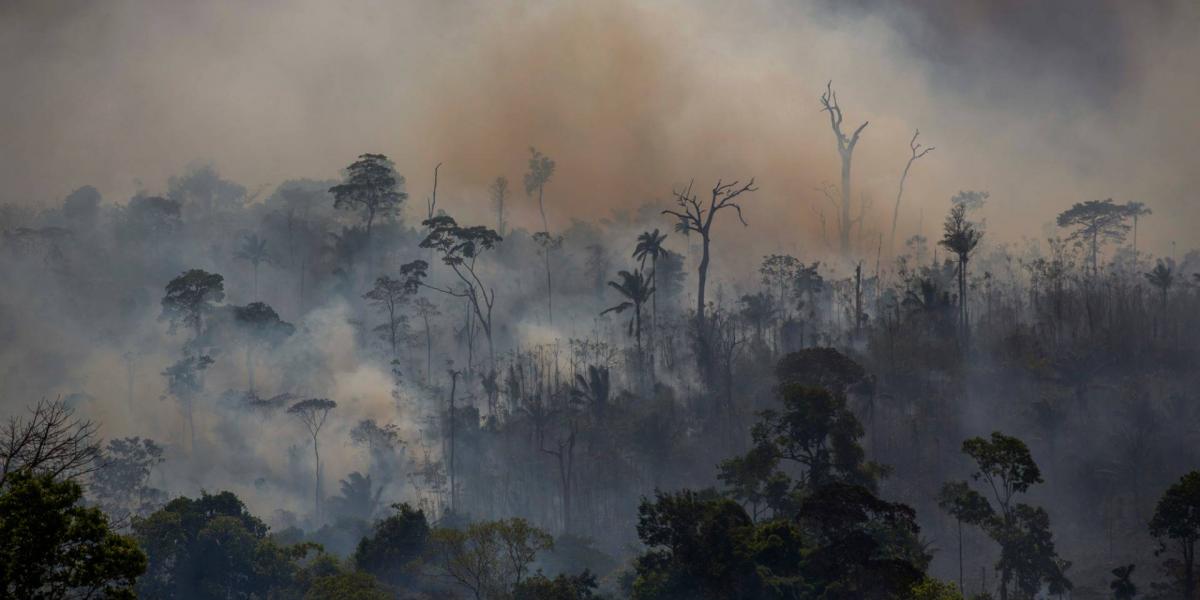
<point>261,327</point>
<point>52,547</point>
<point>372,187</point>
<point>634,288</point>
<point>1176,525</point>
<point>960,237</point>
<point>190,297</point>
<point>1095,223</point>
<point>392,551</point>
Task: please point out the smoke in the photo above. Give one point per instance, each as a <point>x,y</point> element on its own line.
<point>1042,107</point>
<point>631,99</point>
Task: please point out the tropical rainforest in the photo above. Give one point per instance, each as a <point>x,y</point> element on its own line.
<point>552,301</point>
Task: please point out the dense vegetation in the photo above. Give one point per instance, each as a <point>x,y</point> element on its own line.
<point>588,412</point>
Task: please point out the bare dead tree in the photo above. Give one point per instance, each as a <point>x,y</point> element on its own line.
<point>431,202</point>
<point>50,441</point>
<point>917,152</point>
<point>829,104</point>
<point>695,216</point>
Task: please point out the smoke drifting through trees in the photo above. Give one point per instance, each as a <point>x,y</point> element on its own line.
<point>203,307</point>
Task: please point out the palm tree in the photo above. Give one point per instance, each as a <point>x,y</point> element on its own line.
<point>961,237</point>
<point>253,250</point>
<point>637,291</point>
<point>649,246</point>
<point>1162,276</point>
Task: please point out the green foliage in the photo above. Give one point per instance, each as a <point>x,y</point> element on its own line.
<point>935,589</point>
<point>1177,520</point>
<point>190,296</point>
<point>52,547</point>
<point>211,547</point>
<point>562,587</point>
<point>393,550</point>
<point>370,186</point>
<point>1028,556</point>
<point>490,558</point>
<point>351,585</point>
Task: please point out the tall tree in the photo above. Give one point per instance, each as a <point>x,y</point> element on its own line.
<point>53,546</point>
<point>1028,557</point>
<point>427,310</point>
<point>650,246</point>
<point>636,291</point>
<point>1176,521</point>
<point>845,146</point>
<point>961,236</point>
<point>253,250</point>
<point>190,297</point>
<point>697,216</point>
<point>917,153</point>
<point>541,169</point>
<point>1162,277</point>
<point>499,192</point>
<point>1096,222</point>
<point>460,248</point>
<point>388,296</point>
<point>261,327</point>
<point>312,413</point>
<point>1137,210</point>
<point>547,244</point>
<point>371,186</point>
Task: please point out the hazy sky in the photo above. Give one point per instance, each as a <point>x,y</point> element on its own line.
<point>1042,104</point>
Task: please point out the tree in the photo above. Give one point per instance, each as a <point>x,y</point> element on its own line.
<point>1096,222</point>
<point>312,413</point>
<point>965,505</point>
<point>960,236</point>
<point>561,587</point>
<point>49,442</point>
<point>1162,277</point>
<point>388,296</point>
<point>348,585</point>
<point>650,246</point>
<point>460,248</point>
<point>1137,210</point>
<point>372,187</point>
<point>546,244</point>
<point>845,145</point>
<point>120,486</point>
<point>190,297</point>
<point>253,250</point>
<point>636,291</point>
<point>1027,551</point>
<point>262,327</point>
<point>393,549</point>
<point>490,558</point>
<point>541,169</point>
<point>52,547</point>
<point>211,548</point>
<point>917,153</point>
<point>1123,587</point>
<point>427,310</point>
<point>1176,521</point>
<point>698,217</point>
<point>499,192</point>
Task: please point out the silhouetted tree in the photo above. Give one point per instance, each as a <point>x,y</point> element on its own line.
<point>541,169</point>
<point>262,327</point>
<point>499,191</point>
<point>52,546</point>
<point>387,296</point>
<point>312,413</point>
<point>1096,222</point>
<point>190,297</point>
<point>1176,521</point>
<point>650,246</point>
<point>460,248</point>
<point>253,250</point>
<point>960,236</point>
<point>917,153</point>
<point>51,441</point>
<point>371,186</point>
<point>636,291</point>
<point>845,145</point>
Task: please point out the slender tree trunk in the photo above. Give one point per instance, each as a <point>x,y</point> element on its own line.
<point>961,588</point>
<point>428,351</point>
<point>549,287</point>
<point>453,426</point>
<point>844,223</point>
<point>317,481</point>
